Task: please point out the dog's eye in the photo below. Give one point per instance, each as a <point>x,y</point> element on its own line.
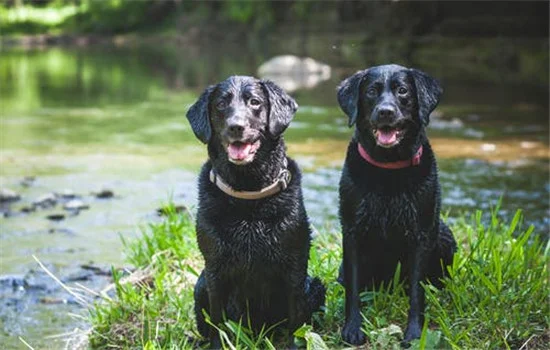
<point>402,90</point>
<point>372,92</point>
<point>254,102</point>
<point>221,104</point>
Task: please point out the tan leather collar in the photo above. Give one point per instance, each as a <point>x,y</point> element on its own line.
<point>279,185</point>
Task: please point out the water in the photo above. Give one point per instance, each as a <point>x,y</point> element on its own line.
<point>113,117</point>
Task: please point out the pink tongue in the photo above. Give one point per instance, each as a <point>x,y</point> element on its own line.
<point>238,151</point>
<point>386,137</point>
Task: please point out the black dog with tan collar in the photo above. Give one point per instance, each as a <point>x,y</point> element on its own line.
<point>252,226</point>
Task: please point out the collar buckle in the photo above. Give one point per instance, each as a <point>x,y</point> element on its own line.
<point>284,179</point>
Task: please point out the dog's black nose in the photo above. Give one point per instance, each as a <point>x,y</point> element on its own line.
<point>385,114</point>
<point>235,128</point>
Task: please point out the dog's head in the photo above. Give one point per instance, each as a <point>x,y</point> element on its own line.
<point>389,104</point>
<point>239,114</point>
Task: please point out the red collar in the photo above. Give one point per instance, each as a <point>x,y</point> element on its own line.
<point>391,165</point>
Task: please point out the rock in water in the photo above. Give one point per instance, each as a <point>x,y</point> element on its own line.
<point>104,193</point>
<point>56,217</point>
<point>45,201</point>
<point>7,195</point>
<point>75,204</point>
<point>293,73</point>
<point>67,194</point>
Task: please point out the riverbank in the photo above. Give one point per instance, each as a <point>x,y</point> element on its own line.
<point>497,297</point>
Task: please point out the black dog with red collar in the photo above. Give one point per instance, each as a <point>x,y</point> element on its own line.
<point>389,191</point>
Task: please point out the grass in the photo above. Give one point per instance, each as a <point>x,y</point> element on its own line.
<point>497,297</point>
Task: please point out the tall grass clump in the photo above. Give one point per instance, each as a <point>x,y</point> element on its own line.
<point>495,298</point>
<point>153,306</point>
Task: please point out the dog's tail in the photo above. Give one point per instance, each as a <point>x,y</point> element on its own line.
<point>315,293</point>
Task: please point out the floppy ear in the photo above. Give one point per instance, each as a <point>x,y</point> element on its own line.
<point>198,116</point>
<point>348,95</point>
<point>428,92</point>
<point>281,107</point>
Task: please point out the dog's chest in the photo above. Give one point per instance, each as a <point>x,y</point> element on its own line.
<point>395,216</point>
<point>250,243</point>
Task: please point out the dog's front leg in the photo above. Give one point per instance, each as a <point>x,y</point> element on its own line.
<point>296,300</point>
<point>352,333</point>
<point>215,301</point>
<point>417,273</point>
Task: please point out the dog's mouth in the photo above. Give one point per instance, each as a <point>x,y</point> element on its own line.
<point>242,152</point>
<point>388,136</point>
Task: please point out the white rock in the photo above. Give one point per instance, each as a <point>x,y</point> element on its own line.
<point>7,195</point>
<point>75,204</point>
<point>45,200</point>
<point>292,72</point>
<point>67,194</point>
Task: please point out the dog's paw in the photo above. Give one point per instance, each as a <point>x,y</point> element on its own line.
<point>413,332</point>
<point>291,343</point>
<point>215,343</point>
<point>352,333</point>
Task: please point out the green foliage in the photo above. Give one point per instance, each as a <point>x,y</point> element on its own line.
<point>173,237</point>
<point>34,20</point>
<point>153,306</point>
<point>496,298</point>
<point>116,16</point>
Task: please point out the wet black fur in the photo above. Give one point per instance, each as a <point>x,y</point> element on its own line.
<point>256,251</point>
<point>390,215</point>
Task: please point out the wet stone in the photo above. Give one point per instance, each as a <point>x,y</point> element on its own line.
<point>104,194</point>
<point>179,209</point>
<point>45,201</point>
<point>98,270</point>
<point>79,276</point>
<point>7,195</point>
<point>75,204</point>
<point>67,194</point>
<point>27,209</point>
<point>12,281</point>
<point>56,217</point>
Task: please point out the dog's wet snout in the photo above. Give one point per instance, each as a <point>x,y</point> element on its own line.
<point>236,127</point>
<point>385,114</point>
